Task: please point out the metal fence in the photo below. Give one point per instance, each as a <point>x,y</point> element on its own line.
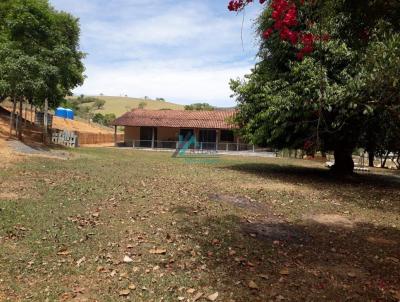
<point>199,146</point>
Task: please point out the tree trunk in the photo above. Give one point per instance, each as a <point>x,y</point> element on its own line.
<point>26,113</point>
<point>371,158</point>
<point>385,160</point>
<point>19,128</point>
<point>12,115</point>
<point>45,121</point>
<point>343,161</point>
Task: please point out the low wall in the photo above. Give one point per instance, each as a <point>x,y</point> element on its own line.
<point>85,138</point>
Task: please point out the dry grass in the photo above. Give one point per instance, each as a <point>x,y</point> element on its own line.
<point>120,105</point>
<point>75,125</point>
<point>249,229</point>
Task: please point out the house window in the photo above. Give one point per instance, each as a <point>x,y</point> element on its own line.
<point>207,136</point>
<point>227,136</point>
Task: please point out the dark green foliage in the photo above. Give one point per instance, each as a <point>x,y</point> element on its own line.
<point>142,105</point>
<point>342,96</point>
<point>99,104</point>
<point>199,107</point>
<point>84,106</point>
<point>39,52</point>
<point>105,119</point>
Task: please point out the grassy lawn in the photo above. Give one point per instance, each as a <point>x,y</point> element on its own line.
<point>248,229</point>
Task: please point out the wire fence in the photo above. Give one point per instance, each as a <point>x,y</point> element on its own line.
<point>199,146</point>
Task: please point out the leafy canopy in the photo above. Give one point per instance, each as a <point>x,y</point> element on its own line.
<point>331,97</point>
<point>39,52</point>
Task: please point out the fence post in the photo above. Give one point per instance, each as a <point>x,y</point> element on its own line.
<point>227,147</point>
<point>254,148</point>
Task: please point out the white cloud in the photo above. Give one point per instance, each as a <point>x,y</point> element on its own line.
<point>181,50</point>
<point>179,85</point>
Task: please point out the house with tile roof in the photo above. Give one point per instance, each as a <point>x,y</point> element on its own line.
<point>168,128</point>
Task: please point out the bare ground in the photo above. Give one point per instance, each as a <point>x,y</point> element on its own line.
<point>247,229</point>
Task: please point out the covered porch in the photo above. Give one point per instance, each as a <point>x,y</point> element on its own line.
<point>178,138</point>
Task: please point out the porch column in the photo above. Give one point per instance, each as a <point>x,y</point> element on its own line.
<point>115,136</point>
<point>152,138</point>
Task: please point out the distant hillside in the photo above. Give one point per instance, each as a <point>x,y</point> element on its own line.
<point>120,105</point>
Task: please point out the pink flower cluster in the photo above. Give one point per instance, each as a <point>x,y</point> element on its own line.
<point>285,16</point>
<point>237,5</point>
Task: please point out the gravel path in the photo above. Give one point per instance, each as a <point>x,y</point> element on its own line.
<point>20,147</point>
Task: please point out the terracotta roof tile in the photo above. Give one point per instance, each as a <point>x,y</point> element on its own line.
<point>217,119</point>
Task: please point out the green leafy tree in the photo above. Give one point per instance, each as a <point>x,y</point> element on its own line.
<point>99,104</point>
<point>320,98</point>
<point>43,44</point>
<point>199,107</point>
<point>380,76</point>
<point>142,105</point>
<point>105,120</point>
<point>98,118</point>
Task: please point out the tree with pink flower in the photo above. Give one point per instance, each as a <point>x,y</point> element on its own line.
<point>312,87</point>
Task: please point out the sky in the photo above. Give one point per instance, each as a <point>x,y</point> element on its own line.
<point>185,51</point>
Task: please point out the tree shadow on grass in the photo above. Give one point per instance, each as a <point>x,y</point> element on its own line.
<point>297,262</point>
<point>365,188</point>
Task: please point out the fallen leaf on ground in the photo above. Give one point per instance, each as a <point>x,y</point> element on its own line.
<point>284,271</point>
<point>63,253</point>
<point>213,297</point>
<point>80,261</point>
<point>128,259</point>
<point>252,285</point>
<point>158,251</point>
<point>197,297</point>
<point>124,292</point>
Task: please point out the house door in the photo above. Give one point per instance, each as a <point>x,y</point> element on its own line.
<point>146,136</point>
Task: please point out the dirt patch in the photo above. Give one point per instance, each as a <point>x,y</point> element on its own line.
<point>6,154</point>
<point>331,220</point>
<point>74,125</point>
<point>381,241</point>
<point>238,201</point>
<point>12,189</point>
<point>8,195</point>
<point>37,150</point>
<point>279,186</point>
<point>345,271</point>
<point>275,232</point>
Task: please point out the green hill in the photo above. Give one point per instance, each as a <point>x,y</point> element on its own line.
<point>120,105</point>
